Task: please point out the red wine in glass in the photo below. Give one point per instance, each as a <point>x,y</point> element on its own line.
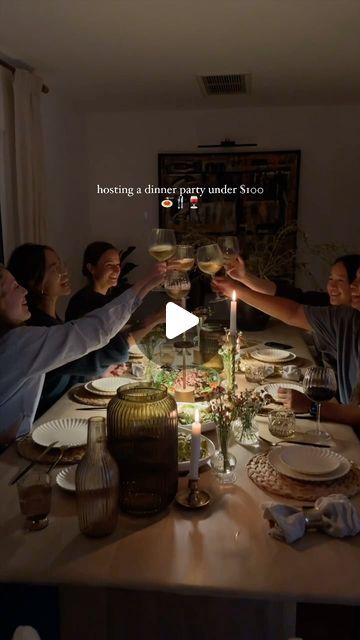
<point>320,386</point>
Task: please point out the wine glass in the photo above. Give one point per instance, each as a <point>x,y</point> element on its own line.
<point>183,258</point>
<point>177,284</point>
<point>162,244</point>
<point>210,261</point>
<point>319,386</point>
<point>194,202</point>
<point>229,246</point>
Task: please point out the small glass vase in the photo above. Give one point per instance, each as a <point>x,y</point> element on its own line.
<point>223,462</point>
<point>245,430</point>
<point>97,484</point>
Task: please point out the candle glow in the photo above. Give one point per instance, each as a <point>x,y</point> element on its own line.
<point>233,313</point>
<point>195,446</point>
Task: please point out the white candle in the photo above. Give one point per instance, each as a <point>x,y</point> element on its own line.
<point>195,447</point>
<point>233,309</point>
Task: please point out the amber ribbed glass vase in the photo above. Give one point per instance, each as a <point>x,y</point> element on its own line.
<point>97,484</point>
<point>142,437</point>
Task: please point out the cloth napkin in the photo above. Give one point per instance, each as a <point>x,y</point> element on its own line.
<point>333,514</point>
<point>291,372</point>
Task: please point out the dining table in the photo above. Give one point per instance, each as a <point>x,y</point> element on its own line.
<point>182,573</point>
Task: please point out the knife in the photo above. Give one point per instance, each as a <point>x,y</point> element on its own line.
<point>29,466</point>
<point>305,442</point>
<point>91,408</point>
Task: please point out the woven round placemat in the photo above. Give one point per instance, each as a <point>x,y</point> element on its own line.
<point>83,396</point>
<point>263,474</point>
<point>28,449</point>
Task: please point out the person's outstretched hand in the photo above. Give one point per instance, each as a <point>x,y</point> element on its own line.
<point>225,286</point>
<point>237,270</point>
<point>294,400</point>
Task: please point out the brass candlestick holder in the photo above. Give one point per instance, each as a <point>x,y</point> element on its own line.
<point>193,497</point>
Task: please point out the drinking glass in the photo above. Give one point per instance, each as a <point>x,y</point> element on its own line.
<point>210,261</point>
<point>319,386</point>
<point>282,423</point>
<point>177,284</point>
<point>229,246</point>
<point>34,492</point>
<point>162,244</point>
<point>183,258</point>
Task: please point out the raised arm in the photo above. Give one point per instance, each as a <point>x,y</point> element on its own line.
<point>283,309</point>
<point>261,285</point>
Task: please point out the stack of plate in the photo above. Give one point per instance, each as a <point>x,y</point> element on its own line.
<point>107,386</point>
<point>273,356</point>
<point>313,464</point>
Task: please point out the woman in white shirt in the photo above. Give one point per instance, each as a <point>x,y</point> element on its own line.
<point>27,353</point>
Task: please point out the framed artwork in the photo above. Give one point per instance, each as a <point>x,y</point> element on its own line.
<point>248,194</point>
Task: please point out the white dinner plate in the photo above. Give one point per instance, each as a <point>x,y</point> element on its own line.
<point>275,459</point>
<point>69,432</point>
<point>273,356</point>
<point>189,408</point>
<point>273,387</point>
<point>312,460</point>
<point>109,388</point>
<point>185,466</point>
<point>66,478</point>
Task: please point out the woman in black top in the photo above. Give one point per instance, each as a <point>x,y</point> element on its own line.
<point>101,267</point>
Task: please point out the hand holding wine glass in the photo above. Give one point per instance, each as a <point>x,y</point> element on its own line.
<point>320,386</point>
<point>229,246</point>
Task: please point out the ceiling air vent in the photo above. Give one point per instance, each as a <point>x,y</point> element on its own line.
<point>225,84</point>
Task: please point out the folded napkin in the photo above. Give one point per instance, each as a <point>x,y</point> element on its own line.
<point>291,372</point>
<point>333,514</point>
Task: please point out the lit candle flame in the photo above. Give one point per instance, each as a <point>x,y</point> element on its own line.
<point>233,297</point>
<point>197,415</point>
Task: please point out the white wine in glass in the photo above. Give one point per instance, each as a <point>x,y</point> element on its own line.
<point>209,259</point>
<point>183,258</point>
<point>229,246</point>
<point>162,244</point>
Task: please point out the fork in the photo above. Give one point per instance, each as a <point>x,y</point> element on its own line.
<point>63,448</point>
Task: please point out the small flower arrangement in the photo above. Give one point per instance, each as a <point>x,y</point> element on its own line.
<point>245,406</point>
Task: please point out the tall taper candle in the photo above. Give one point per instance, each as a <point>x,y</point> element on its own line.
<point>233,310</point>
<point>195,447</point>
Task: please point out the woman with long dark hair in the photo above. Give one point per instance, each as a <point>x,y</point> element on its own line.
<point>29,352</point>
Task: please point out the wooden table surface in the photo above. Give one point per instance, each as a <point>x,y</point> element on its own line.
<point>224,550</point>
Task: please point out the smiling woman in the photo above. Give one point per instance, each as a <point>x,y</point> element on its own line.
<point>101,267</point>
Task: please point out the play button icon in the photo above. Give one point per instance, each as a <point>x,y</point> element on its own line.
<point>178,320</point>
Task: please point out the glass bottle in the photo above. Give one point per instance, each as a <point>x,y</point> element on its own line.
<point>97,484</point>
<point>142,436</point>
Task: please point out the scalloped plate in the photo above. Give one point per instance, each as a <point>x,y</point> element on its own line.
<point>275,459</point>
<point>107,386</point>
<point>69,432</point>
<point>66,478</point>
<point>272,355</point>
<point>311,460</point>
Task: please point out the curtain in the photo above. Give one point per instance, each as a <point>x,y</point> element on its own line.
<point>22,178</point>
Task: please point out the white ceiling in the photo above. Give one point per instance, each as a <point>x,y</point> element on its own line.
<point>120,54</point>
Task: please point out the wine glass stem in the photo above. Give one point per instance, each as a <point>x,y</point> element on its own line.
<point>318,411</point>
